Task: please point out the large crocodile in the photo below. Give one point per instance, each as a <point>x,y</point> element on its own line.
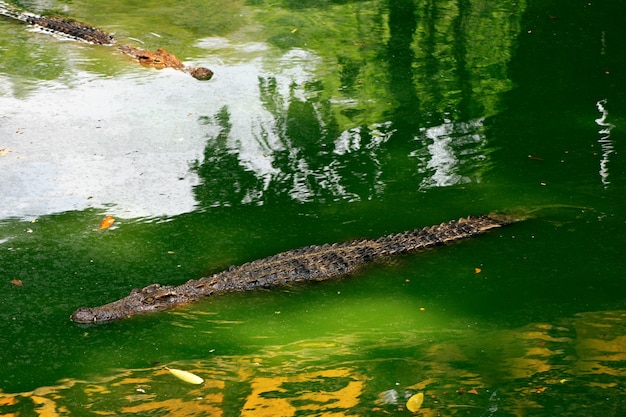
<point>311,263</point>
<point>70,29</point>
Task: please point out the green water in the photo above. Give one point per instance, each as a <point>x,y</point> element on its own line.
<point>325,121</point>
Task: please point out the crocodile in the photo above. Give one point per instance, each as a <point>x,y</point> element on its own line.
<point>310,263</point>
<point>70,29</point>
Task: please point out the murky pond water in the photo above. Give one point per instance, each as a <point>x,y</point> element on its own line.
<point>325,121</point>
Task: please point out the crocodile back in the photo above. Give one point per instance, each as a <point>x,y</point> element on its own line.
<point>67,29</point>
<point>314,262</point>
<point>11,12</point>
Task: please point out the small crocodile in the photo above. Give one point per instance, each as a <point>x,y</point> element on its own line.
<point>70,29</point>
<point>310,263</point>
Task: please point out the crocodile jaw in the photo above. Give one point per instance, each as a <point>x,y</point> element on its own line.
<point>151,298</point>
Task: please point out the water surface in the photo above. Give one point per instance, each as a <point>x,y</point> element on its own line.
<point>325,121</point>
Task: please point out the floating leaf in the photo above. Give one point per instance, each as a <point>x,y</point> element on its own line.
<point>415,402</point>
<point>477,270</point>
<point>107,222</point>
<point>4,151</point>
<point>186,376</point>
<point>17,282</point>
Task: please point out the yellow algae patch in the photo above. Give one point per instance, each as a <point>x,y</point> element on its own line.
<point>179,408</point>
<point>267,399</point>
<point>96,389</point>
<point>132,381</point>
<point>538,335</point>
<point>324,393</point>
<point>7,399</point>
<point>48,407</point>
<point>422,385</point>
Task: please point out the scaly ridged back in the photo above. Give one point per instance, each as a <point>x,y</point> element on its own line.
<point>8,11</point>
<point>60,27</point>
<point>328,261</point>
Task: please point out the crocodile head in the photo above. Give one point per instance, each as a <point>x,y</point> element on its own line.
<point>151,298</point>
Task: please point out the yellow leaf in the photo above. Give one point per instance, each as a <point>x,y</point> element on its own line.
<point>186,376</point>
<point>415,402</point>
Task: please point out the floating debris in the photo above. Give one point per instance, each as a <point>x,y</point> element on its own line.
<point>186,376</point>
<point>415,402</point>
<point>107,222</point>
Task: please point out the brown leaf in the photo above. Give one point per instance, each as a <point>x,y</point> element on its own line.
<point>17,282</point>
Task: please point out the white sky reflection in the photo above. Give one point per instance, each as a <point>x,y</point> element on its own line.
<point>127,143</point>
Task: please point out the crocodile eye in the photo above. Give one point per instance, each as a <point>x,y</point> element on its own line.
<point>148,300</point>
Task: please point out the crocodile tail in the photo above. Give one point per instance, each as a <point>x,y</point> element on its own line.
<point>60,27</point>
<point>439,234</point>
<point>11,12</point>
<point>72,29</point>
